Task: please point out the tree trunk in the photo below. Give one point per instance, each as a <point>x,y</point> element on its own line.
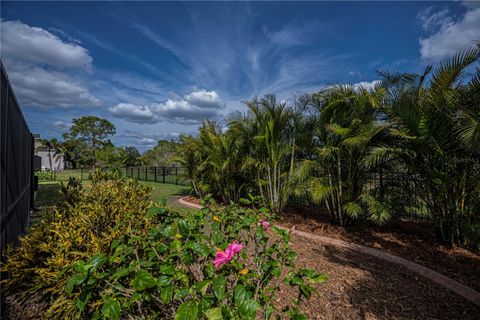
<point>50,158</point>
<point>94,155</point>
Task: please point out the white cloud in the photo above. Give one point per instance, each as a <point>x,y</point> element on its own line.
<point>134,113</point>
<point>36,45</point>
<point>205,99</point>
<point>430,20</point>
<point>62,125</point>
<point>35,86</point>
<point>367,85</point>
<point>45,71</point>
<point>145,139</point>
<point>191,109</point>
<point>451,36</point>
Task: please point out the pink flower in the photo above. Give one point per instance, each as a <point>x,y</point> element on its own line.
<point>223,257</point>
<point>265,224</point>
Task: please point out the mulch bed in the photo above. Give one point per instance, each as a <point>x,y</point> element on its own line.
<point>364,287</point>
<point>412,240</point>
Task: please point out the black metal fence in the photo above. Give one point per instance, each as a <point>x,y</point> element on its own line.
<point>16,172</point>
<point>402,192</point>
<point>173,175</point>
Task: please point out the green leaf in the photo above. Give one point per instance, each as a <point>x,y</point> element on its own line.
<point>187,311</point>
<point>83,299</point>
<point>120,273</point>
<point>176,245</point>
<point>182,293</point>
<point>114,244</point>
<point>308,272</point>
<point>295,280</point>
<point>241,294</point>
<point>201,286</point>
<point>111,309</point>
<point>248,309</point>
<point>214,314</point>
<point>200,249</point>
<point>73,281</point>
<point>183,227</point>
<point>319,278</point>
<point>168,231</point>
<point>164,281</point>
<point>97,261</point>
<point>143,280</point>
<point>296,315</point>
<point>168,269</point>
<point>166,294</point>
<point>245,201</point>
<point>219,287</point>
<point>264,210</point>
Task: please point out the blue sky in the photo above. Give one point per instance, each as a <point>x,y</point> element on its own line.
<point>156,69</point>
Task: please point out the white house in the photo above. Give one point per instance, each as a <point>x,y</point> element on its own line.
<point>50,160</point>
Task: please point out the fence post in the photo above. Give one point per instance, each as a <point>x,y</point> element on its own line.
<point>163,174</point>
<point>176,174</point>
<point>138,173</point>
<point>155,170</point>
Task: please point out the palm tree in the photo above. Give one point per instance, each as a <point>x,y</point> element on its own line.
<point>47,144</point>
<point>189,157</point>
<point>435,131</point>
<point>349,122</point>
<point>269,127</point>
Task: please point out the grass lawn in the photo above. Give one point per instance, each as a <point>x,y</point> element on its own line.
<point>166,194</point>
<point>49,194</point>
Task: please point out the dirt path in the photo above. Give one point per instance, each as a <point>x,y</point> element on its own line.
<point>455,286</point>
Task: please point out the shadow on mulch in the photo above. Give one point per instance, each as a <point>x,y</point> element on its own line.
<point>364,287</point>
<point>413,240</point>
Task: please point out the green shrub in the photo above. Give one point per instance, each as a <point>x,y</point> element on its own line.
<point>45,175</point>
<point>68,234</point>
<point>114,255</point>
<point>472,236</point>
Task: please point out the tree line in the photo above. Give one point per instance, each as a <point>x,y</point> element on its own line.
<point>325,144</point>
<point>87,144</point>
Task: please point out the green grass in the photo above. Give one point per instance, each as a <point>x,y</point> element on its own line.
<point>166,194</point>
<point>48,195</point>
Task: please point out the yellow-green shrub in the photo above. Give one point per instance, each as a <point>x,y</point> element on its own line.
<point>71,233</point>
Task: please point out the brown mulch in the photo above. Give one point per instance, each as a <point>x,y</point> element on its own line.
<point>364,287</point>
<point>31,308</point>
<point>412,240</point>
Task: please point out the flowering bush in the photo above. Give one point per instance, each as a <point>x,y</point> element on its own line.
<point>217,263</point>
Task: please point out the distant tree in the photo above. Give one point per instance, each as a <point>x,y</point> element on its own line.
<point>132,155</point>
<point>76,152</point>
<point>93,131</point>
<point>161,155</point>
<point>54,148</point>
<point>112,157</point>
